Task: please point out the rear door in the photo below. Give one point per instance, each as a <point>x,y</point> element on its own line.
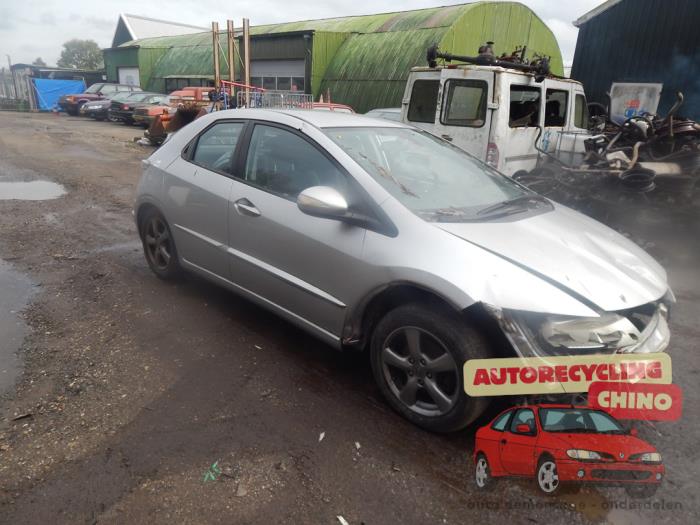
<point>515,126</point>
<point>197,192</point>
<point>464,109</point>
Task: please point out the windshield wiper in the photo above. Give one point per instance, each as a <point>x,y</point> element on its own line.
<point>514,205</point>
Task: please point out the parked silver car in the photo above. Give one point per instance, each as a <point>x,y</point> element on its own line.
<point>372,234</point>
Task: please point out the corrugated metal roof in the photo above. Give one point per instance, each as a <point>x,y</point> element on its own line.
<point>368,66</point>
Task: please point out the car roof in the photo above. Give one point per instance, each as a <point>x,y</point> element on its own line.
<point>333,119</point>
<point>385,110</point>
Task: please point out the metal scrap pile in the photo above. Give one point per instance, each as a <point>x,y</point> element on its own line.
<point>643,147</point>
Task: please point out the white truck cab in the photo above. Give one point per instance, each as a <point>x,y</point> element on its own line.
<point>496,113</point>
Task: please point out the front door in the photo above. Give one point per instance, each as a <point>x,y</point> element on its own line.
<point>518,448</point>
<point>300,264</point>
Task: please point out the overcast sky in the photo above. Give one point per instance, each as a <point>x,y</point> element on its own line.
<point>38,28</point>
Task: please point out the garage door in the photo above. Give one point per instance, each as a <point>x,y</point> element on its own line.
<point>281,75</point>
<point>129,75</point>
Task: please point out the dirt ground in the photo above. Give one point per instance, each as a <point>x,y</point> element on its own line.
<point>133,389</point>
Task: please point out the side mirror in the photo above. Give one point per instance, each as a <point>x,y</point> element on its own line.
<point>523,429</point>
<point>322,201</point>
<point>633,432</point>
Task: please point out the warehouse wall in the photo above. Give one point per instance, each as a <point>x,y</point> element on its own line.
<point>643,41</point>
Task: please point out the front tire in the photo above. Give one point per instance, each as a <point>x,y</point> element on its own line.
<point>159,245</point>
<point>548,477</point>
<point>417,355</point>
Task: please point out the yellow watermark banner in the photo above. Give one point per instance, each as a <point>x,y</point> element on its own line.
<point>561,374</point>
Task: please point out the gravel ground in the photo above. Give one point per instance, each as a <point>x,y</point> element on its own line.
<point>133,389</point>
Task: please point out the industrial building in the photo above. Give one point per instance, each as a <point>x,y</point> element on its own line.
<point>362,61</point>
<point>654,41</point>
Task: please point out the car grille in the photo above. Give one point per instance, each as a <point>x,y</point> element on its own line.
<point>141,111</point>
<point>621,475</point>
<point>115,105</point>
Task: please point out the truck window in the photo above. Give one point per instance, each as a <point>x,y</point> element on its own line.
<point>555,107</point>
<point>524,106</point>
<point>581,112</point>
<point>423,102</point>
<point>464,103</point>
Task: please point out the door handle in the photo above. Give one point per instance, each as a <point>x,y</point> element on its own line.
<point>447,137</point>
<point>503,442</point>
<point>245,207</point>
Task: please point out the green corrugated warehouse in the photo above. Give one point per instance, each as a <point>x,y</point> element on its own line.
<point>362,61</point>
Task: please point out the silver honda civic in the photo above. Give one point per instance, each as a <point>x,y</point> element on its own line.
<point>374,235</point>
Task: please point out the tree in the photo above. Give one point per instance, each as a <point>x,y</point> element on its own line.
<point>39,62</point>
<point>81,54</point>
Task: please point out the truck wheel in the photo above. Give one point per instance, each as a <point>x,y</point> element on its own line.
<point>417,355</point>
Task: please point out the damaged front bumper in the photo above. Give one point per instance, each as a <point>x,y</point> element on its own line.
<point>638,330</point>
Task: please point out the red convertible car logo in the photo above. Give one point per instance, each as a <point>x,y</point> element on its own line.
<point>559,444</point>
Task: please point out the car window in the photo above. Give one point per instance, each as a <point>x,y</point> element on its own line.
<point>524,108</point>
<point>286,164</point>
<point>580,112</point>
<point>423,102</point>
<point>95,88</point>
<point>524,416</point>
<point>555,107</point>
<point>465,103</point>
<point>215,147</point>
<point>429,176</point>
<point>107,88</point>
<point>502,421</point>
<point>577,420</point>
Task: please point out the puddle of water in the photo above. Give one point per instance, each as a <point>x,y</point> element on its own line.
<point>33,190</point>
<point>16,289</point>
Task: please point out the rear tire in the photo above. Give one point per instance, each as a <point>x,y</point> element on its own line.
<point>418,353</point>
<point>482,472</point>
<point>159,245</point>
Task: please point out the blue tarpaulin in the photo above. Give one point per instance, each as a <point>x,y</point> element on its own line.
<point>48,91</point>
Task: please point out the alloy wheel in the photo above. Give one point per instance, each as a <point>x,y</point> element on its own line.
<point>420,371</point>
<point>547,476</point>
<point>158,243</point>
<point>481,475</point>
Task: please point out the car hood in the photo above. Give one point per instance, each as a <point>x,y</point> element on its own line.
<point>579,254</point>
<point>614,444</point>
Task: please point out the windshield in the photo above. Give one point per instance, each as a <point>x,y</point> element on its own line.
<point>121,97</point>
<point>138,97</point>
<point>578,421</point>
<point>95,88</point>
<point>429,176</point>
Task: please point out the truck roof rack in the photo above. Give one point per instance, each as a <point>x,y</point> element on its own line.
<point>539,66</point>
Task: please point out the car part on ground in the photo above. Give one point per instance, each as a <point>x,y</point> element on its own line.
<point>317,216</point>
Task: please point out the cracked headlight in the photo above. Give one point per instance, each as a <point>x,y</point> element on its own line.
<point>534,334</point>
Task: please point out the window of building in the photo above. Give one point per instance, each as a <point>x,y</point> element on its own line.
<point>423,102</point>
<point>285,164</point>
<point>256,81</point>
<point>524,106</point>
<point>269,83</point>
<point>215,147</point>
<point>284,84</point>
<point>465,103</point>
<point>298,84</point>
<point>555,107</point>
<point>580,112</point>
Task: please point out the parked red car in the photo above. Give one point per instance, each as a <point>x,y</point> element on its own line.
<point>564,443</point>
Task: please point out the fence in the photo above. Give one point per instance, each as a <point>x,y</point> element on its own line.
<point>274,99</point>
